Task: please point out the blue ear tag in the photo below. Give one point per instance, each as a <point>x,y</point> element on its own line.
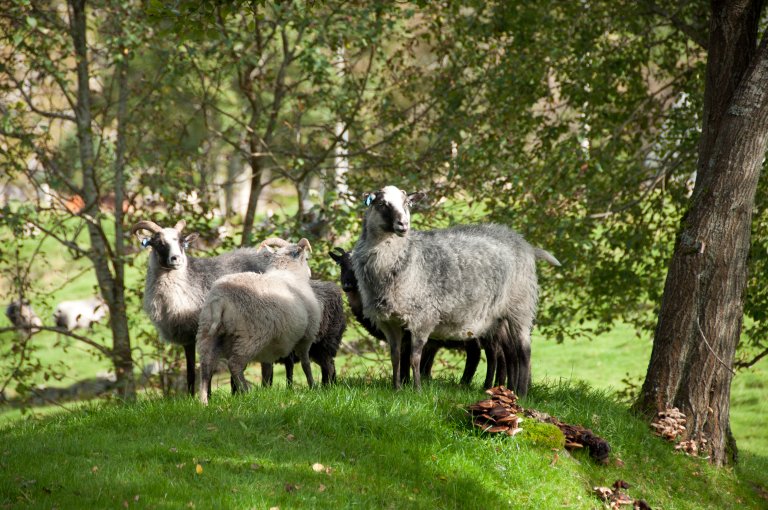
<point>369,200</point>
<point>186,245</point>
<point>145,242</point>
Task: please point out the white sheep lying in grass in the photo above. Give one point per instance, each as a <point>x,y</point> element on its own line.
<point>259,316</point>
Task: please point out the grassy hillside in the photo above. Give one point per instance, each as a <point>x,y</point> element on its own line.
<point>376,449</point>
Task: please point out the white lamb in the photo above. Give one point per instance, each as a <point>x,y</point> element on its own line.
<point>259,316</point>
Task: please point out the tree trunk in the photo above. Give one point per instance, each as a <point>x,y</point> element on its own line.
<point>254,158</point>
<point>700,320</point>
<point>121,353</point>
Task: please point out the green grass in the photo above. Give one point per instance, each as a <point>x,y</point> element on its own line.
<point>378,449</point>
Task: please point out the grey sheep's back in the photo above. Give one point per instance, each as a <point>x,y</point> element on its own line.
<point>254,305</point>
<point>455,278</point>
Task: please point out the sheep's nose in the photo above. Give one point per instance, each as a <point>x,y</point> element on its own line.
<point>401,227</point>
<point>174,259</point>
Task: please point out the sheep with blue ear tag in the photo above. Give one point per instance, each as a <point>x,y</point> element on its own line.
<point>454,283</point>
<point>176,283</point>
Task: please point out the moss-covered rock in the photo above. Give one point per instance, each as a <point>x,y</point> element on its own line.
<point>540,434</point>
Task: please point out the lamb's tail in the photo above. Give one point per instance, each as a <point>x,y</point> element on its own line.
<point>208,343</point>
<point>545,255</point>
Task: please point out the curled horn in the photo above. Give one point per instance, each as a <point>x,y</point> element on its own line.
<point>180,225</point>
<point>304,245</point>
<point>146,225</point>
<point>274,242</point>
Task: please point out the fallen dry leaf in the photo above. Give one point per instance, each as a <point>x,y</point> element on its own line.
<point>321,488</point>
<point>317,467</point>
<point>255,466</point>
<point>94,469</point>
<point>289,487</point>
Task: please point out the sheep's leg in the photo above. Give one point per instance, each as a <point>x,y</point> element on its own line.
<point>206,374</point>
<point>394,336</point>
<point>428,359</point>
<point>417,346</point>
<point>490,347</point>
<point>405,358</point>
<point>328,369</point>
<point>267,373</point>
<point>505,355</point>
<point>237,369</point>
<point>307,367</point>
<point>473,359</point>
<point>189,354</point>
<point>289,371</point>
<point>520,372</point>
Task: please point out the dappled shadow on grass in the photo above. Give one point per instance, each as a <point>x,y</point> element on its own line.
<point>376,449</point>
<point>258,450</point>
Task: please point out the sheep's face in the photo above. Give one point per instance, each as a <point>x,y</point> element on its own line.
<point>347,278</point>
<point>389,210</point>
<point>168,245</point>
<point>293,258</point>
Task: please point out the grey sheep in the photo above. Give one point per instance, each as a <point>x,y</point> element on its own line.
<point>176,284</point>
<point>80,314</point>
<point>350,288</point>
<point>259,316</point>
<point>23,317</point>
<point>455,283</point>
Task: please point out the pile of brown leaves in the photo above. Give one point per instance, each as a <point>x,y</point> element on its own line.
<point>615,498</point>
<point>669,424</point>
<point>498,413</point>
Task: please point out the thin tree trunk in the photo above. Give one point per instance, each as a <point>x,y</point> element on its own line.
<point>254,158</point>
<point>700,320</point>
<point>121,356</point>
<point>118,313</point>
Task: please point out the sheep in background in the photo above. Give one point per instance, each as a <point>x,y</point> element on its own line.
<point>349,286</point>
<point>259,316</point>
<point>23,317</point>
<point>176,284</point>
<point>454,283</point>
<point>324,349</point>
<point>80,314</point>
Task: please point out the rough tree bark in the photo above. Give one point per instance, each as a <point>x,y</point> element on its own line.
<point>112,289</point>
<point>700,320</point>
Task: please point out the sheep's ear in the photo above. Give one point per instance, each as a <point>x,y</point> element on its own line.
<point>180,225</point>
<point>416,197</point>
<point>337,254</point>
<point>191,238</point>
